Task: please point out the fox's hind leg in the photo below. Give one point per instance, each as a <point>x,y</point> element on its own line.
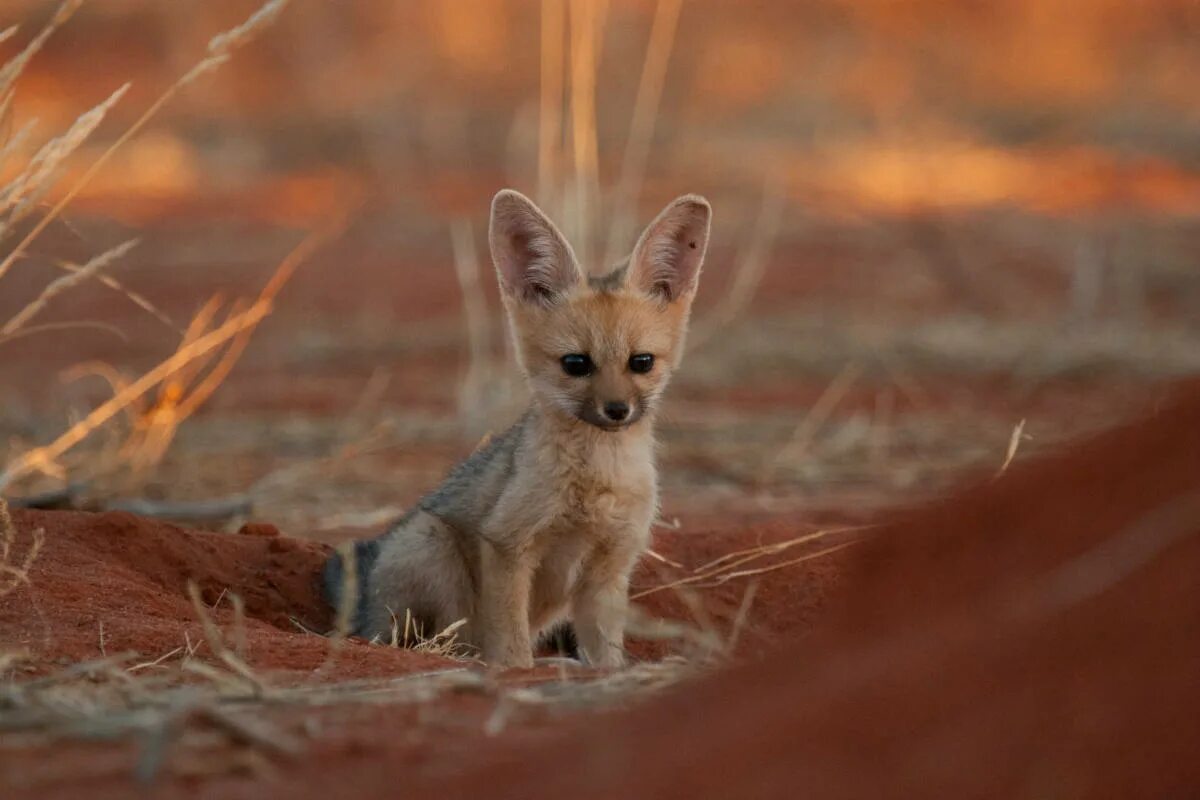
<point>420,571</point>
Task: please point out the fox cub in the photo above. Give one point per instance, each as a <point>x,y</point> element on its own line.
<point>547,520</point>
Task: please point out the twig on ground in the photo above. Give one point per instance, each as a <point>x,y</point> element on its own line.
<point>726,567</point>
<point>184,510</point>
<point>1014,442</point>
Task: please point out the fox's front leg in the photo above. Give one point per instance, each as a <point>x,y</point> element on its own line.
<point>601,605</point>
<point>505,582</point>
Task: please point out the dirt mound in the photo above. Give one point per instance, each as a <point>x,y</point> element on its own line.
<point>112,583</point>
<point>115,582</point>
<point>1035,636</point>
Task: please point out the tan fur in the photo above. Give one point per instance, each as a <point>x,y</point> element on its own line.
<point>547,521</point>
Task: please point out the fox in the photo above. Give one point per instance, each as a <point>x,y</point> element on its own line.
<point>543,525</point>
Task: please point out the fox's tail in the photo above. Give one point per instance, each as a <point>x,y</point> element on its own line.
<point>336,581</point>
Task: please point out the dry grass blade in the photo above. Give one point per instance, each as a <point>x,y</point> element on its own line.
<point>197,326</point>
<point>640,625</point>
<point>1014,442</point>
<point>239,624</point>
<point>641,125</point>
<point>444,644</point>
<point>212,634</point>
<point>232,39</point>
<point>280,480</point>
<point>725,577</point>
<point>473,393</point>
<point>657,556</point>
<point>739,619</point>
<point>156,426</point>
<point>14,569</point>
<point>11,658</point>
<point>116,381</point>
<point>136,298</point>
<point>739,556</point>
<point>216,643</point>
<point>216,376</point>
<point>550,103</point>
<point>8,531</point>
<point>220,49</point>
<point>816,417</point>
<point>250,731</point>
<point>37,458</point>
<point>23,193</point>
<point>751,266</point>
<point>726,567</point>
<point>62,284</point>
<point>16,65</point>
<point>16,140</point>
<point>156,662</point>
<point>587,25</point>
<point>65,326</point>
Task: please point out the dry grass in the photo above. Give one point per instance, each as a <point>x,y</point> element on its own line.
<point>220,50</point>
<point>641,127</point>
<point>409,634</point>
<point>14,565</point>
<point>571,190</point>
<point>73,278</point>
<point>744,563</point>
<point>176,723</point>
<point>23,194</point>
<point>234,329</point>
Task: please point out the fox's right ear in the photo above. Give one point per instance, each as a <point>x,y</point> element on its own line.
<point>533,260</point>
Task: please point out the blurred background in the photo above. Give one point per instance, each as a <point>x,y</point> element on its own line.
<point>946,234</point>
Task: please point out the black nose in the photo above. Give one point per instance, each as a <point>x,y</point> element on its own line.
<point>616,411</point>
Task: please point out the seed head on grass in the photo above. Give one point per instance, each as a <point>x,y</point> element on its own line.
<point>25,192</point>
<point>89,270</point>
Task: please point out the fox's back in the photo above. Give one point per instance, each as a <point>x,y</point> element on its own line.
<point>469,493</point>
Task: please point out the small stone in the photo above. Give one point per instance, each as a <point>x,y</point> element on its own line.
<point>258,529</point>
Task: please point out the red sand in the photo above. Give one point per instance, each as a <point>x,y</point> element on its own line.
<point>124,577</point>
<point>1034,636</point>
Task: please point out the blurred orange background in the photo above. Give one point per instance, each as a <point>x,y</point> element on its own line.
<point>980,212</point>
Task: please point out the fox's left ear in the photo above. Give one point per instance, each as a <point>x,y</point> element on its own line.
<point>666,260</point>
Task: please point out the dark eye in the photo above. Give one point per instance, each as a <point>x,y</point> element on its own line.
<point>577,365</point>
<point>641,363</point>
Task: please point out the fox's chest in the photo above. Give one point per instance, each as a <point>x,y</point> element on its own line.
<point>592,514</point>
<point>602,494</point>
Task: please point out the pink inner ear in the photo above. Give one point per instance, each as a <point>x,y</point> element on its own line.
<point>668,258</point>
<point>534,261</point>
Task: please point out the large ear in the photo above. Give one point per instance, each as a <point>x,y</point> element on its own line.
<point>666,260</point>
<point>533,260</point>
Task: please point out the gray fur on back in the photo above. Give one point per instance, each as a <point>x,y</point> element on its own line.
<point>463,500</point>
<point>468,494</point>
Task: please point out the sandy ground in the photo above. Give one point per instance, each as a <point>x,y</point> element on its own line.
<point>1035,633</point>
